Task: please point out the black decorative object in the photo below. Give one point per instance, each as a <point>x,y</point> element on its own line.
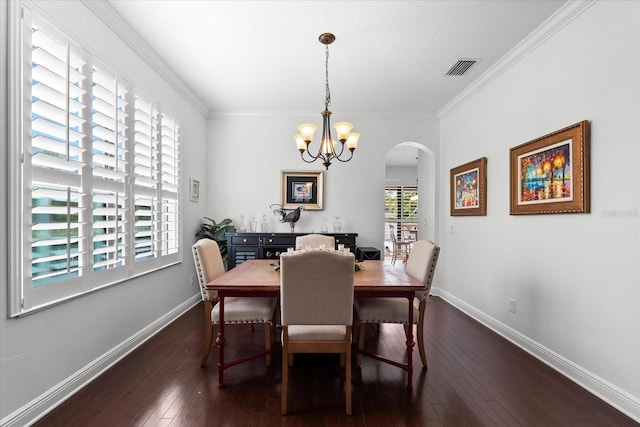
<point>287,215</point>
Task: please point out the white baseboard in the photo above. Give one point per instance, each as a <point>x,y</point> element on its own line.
<point>43,404</point>
<point>616,397</point>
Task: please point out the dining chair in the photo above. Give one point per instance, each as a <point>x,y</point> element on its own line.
<point>400,247</point>
<point>311,241</point>
<point>316,301</point>
<point>237,310</point>
<point>421,265</point>
<point>315,241</point>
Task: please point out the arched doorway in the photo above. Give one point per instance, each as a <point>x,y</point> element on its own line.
<point>412,164</point>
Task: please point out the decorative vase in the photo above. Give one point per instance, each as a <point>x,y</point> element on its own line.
<point>264,225</point>
<point>324,228</point>
<point>337,225</point>
<point>253,224</point>
<point>242,228</point>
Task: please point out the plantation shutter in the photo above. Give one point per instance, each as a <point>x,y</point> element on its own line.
<point>53,163</point>
<point>145,180</point>
<point>170,223</point>
<point>109,167</point>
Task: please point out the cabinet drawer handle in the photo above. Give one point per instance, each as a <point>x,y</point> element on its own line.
<point>270,240</point>
<point>244,240</point>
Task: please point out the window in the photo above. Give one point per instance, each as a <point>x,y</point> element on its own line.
<point>400,213</point>
<point>99,179</point>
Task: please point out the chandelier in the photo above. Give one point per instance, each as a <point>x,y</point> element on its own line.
<point>327,149</point>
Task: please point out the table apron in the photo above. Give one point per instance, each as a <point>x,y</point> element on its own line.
<point>358,293</point>
<point>222,293</point>
<point>365,293</point>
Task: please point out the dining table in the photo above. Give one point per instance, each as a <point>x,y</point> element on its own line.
<point>261,278</point>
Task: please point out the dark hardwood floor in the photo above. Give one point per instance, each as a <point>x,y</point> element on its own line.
<point>475,378</point>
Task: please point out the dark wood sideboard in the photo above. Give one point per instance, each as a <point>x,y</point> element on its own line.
<point>244,246</point>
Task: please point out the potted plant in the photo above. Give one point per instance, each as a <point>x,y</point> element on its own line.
<point>210,229</point>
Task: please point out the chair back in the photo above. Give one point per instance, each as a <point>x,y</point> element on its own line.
<point>209,265</point>
<point>315,240</point>
<point>316,287</point>
<point>392,234</point>
<point>422,265</point>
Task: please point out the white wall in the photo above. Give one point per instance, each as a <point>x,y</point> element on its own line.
<point>46,354</point>
<point>401,175</point>
<point>575,276</point>
<point>248,152</point>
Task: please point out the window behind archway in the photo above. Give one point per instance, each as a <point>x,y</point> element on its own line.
<point>400,213</point>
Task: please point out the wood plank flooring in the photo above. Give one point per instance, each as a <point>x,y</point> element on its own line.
<point>475,378</point>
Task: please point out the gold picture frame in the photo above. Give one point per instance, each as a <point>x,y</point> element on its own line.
<point>468,184</point>
<point>550,174</point>
<point>302,188</point>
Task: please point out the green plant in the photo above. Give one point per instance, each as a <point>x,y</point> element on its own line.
<point>215,231</point>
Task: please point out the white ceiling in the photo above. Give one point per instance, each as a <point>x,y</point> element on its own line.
<point>389,57</point>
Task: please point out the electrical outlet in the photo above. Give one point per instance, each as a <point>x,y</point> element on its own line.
<point>512,305</point>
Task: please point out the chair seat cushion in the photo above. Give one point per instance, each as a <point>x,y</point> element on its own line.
<point>384,310</point>
<point>245,310</point>
<point>317,332</point>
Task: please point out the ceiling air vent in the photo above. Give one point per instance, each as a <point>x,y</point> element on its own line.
<point>461,67</point>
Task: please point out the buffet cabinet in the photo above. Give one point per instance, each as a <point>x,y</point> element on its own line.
<point>244,246</point>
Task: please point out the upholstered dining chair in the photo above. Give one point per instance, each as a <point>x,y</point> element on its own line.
<point>237,310</point>
<point>421,265</point>
<point>315,241</point>
<point>400,247</point>
<point>316,301</point>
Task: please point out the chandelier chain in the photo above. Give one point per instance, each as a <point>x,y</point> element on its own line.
<point>327,98</point>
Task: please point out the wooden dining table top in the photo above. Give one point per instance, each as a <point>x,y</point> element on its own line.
<point>261,275</point>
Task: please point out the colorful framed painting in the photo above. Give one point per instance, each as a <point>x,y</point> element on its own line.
<point>468,185</point>
<point>302,189</point>
<point>551,174</point>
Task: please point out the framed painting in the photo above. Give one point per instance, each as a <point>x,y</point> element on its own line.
<point>551,174</point>
<point>302,189</point>
<point>194,193</point>
<point>468,184</point>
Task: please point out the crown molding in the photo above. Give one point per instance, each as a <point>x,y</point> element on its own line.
<point>307,114</point>
<point>107,14</point>
<point>557,21</point>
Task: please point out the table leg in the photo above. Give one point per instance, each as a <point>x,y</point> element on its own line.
<point>410,345</point>
<point>220,343</point>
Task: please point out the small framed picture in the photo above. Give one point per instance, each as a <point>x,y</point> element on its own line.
<point>551,174</point>
<point>195,189</point>
<point>468,184</point>
<point>302,189</point>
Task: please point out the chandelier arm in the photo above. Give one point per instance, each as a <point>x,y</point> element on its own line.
<point>313,159</point>
<point>341,150</point>
<point>345,160</point>
<point>311,156</point>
